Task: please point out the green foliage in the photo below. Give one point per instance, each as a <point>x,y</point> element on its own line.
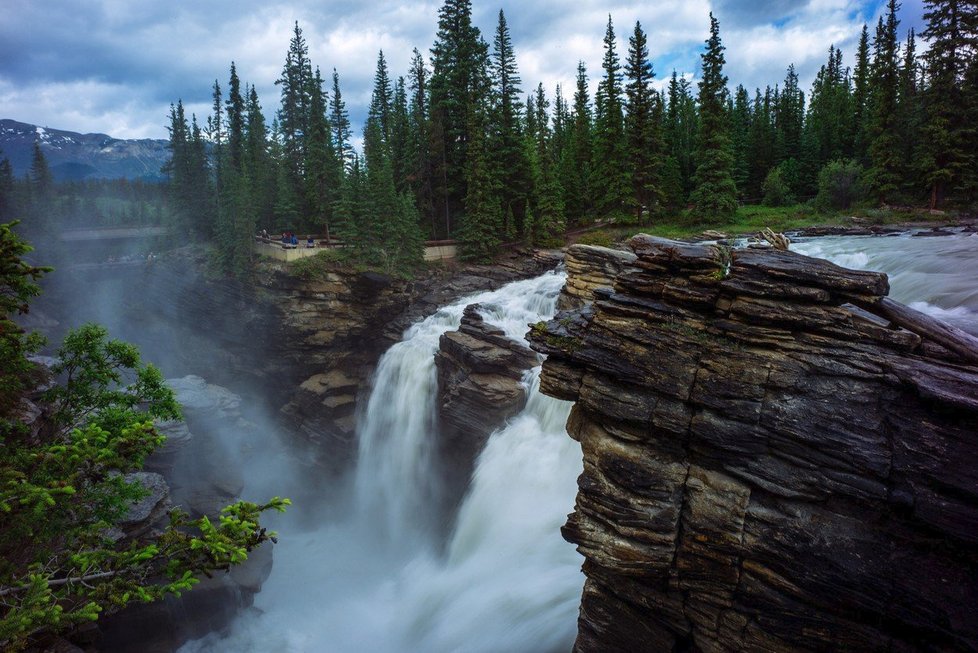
<point>840,185</point>
<point>17,287</point>
<point>63,483</point>
<point>776,190</point>
<point>715,195</point>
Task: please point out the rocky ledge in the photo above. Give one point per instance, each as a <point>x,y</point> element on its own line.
<point>480,374</point>
<point>334,330</point>
<point>767,467</point>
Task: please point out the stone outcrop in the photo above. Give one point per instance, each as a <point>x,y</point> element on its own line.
<point>766,467</point>
<point>480,386</point>
<point>338,327</point>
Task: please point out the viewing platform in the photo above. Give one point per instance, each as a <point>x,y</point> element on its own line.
<point>434,250</point>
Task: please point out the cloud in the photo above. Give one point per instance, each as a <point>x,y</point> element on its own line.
<point>114,66</point>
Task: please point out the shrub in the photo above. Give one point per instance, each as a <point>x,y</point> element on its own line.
<point>776,190</point>
<point>839,185</point>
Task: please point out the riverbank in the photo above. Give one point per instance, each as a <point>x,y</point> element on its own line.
<point>801,219</point>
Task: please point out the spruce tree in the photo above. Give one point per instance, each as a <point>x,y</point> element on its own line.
<point>884,146</point>
<point>681,126</point>
<point>952,30</point>
<point>321,167</point>
<point>235,112</point>
<point>339,120</point>
<point>459,60</point>
<point>715,195</point>
<point>481,224</point>
<point>419,164</point>
<point>576,167</point>
<point>382,99</point>
<point>293,121</point>
<point>740,122</point>
<point>643,138</point>
<point>505,128</point>
<point>859,125</point>
<point>609,180</point>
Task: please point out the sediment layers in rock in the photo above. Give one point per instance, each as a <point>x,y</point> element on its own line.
<point>766,467</point>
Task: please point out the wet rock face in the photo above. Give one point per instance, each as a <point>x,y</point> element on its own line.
<point>480,386</point>
<point>766,468</point>
<point>336,329</point>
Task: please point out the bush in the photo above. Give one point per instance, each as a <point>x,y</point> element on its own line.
<point>839,185</point>
<point>776,190</point>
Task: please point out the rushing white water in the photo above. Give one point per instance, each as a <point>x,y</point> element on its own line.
<point>373,576</point>
<point>934,274</point>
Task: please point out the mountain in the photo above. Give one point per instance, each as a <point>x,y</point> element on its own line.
<point>73,156</point>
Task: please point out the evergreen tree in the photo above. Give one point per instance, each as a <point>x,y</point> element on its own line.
<point>609,180</point>
<point>908,119</point>
<point>482,222</point>
<point>382,100</point>
<point>740,123</point>
<point>322,166</point>
<point>506,141</point>
<point>860,101</point>
<point>681,126</point>
<point>293,122</point>
<point>884,147</point>
<point>762,142</point>
<point>420,168</point>
<point>952,30</point>
<point>789,118</point>
<point>400,137</point>
<point>576,166</point>
<point>643,138</point>
<point>257,164</point>
<point>8,203</point>
<point>715,195</point>
<point>459,59</point>
<point>235,112</point>
<point>829,114</point>
<point>339,120</point>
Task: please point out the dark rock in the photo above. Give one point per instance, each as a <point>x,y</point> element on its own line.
<point>766,466</point>
<point>480,386</point>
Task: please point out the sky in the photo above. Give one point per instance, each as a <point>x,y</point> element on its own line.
<point>115,66</point>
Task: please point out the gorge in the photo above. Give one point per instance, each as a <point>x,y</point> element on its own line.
<point>685,513</point>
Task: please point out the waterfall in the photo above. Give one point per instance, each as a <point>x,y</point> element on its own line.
<point>933,274</point>
<point>374,577</point>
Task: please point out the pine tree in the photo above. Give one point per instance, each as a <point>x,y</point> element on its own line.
<point>715,195</point>
<point>829,114</point>
<point>884,147</point>
<point>681,126</point>
<point>235,112</point>
<point>908,119</point>
<point>740,123</point>
<point>506,140</point>
<point>257,164</point>
<point>609,181</point>
<point>420,168</point>
<point>382,99</point>
<point>339,120</point>
<point>400,136</point>
<point>482,222</point>
<point>861,102</point>
<point>952,30</point>
<point>576,166</point>
<point>459,59</point>
<point>293,121</point>
<point>322,169</point>
<point>643,138</point>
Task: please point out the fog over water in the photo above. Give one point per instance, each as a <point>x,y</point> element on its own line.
<point>374,573</point>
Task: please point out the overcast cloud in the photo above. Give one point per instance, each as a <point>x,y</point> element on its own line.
<point>114,66</point>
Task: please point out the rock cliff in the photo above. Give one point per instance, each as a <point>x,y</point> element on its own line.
<point>335,329</point>
<point>766,466</point>
<point>480,386</point>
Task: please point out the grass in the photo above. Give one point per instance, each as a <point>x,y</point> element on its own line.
<point>752,219</point>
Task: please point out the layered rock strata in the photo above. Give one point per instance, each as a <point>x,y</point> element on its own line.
<point>766,467</point>
<point>336,329</point>
<point>480,374</point>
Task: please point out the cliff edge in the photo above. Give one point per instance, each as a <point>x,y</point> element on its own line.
<point>769,465</point>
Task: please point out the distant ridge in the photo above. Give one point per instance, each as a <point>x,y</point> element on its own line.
<point>73,156</point>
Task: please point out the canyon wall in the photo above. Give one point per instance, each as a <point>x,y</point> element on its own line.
<point>766,466</point>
